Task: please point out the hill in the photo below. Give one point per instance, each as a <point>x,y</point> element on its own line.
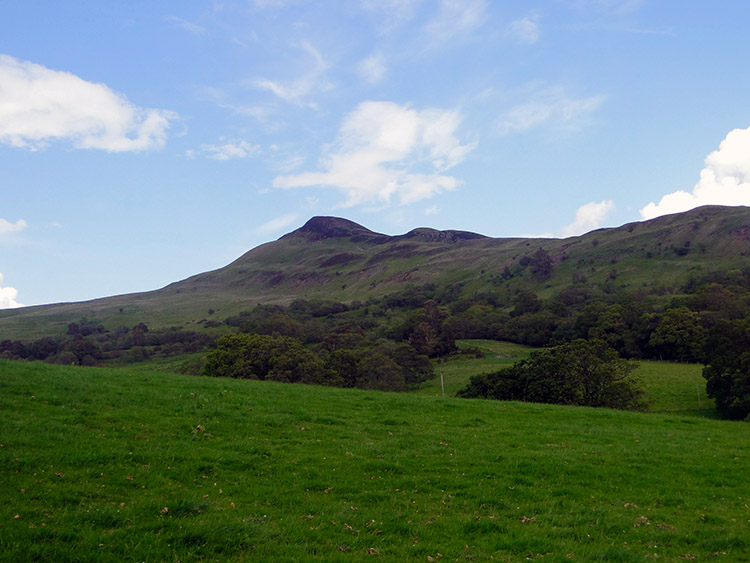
<point>336,259</point>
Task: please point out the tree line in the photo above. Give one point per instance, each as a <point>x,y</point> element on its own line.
<point>88,343</point>
<point>399,334</point>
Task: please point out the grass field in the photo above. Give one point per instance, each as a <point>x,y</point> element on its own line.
<point>669,387</point>
<point>129,464</point>
<point>456,373</point>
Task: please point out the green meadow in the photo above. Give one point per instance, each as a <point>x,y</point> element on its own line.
<point>136,464</point>
<point>670,387</point>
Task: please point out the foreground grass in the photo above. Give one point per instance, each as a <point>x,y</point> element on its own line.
<point>112,465</point>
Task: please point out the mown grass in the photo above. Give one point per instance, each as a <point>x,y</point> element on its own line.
<point>114,464</point>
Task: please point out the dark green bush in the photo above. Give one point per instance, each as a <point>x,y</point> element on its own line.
<point>583,373</point>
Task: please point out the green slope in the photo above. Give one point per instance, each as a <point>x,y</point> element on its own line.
<point>336,259</point>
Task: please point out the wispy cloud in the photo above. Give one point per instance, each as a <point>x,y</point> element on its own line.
<point>588,217</point>
<point>456,17</point>
<point>298,91</point>
<point>39,105</point>
<point>394,13</point>
<point>549,106</point>
<point>373,68</point>
<point>725,180</point>
<point>228,150</point>
<point>616,7</point>
<point>8,296</point>
<point>385,150</point>
<point>276,224</point>
<point>271,4</point>
<point>525,30</point>
<point>191,27</point>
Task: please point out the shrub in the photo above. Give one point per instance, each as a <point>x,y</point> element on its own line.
<point>727,372</point>
<point>583,373</point>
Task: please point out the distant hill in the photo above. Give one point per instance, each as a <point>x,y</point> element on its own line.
<point>336,259</point>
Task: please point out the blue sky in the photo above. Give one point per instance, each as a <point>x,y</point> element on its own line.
<point>142,142</point>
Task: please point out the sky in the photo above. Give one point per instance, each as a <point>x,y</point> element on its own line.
<point>143,142</point>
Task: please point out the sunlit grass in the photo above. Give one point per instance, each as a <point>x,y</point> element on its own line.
<point>116,464</point>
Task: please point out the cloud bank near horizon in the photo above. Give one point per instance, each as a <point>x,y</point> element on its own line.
<point>8,296</point>
<point>588,217</point>
<point>725,180</point>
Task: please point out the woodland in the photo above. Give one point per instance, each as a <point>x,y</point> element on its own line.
<point>393,343</point>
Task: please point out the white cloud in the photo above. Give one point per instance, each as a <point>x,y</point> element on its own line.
<point>276,224</point>
<point>8,296</point>
<point>525,30</point>
<point>310,82</point>
<point>433,210</point>
<point>385,150</point>
<point>39,105</point>
<point>549,106</point>
<point>8,227</point>
<point>228,150</point>
<point>725,180</point>
<point>588,218</point>
<point>372,69</point>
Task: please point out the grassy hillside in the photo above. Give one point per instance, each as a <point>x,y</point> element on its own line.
<point>112,465</point>
<point>336,259</point>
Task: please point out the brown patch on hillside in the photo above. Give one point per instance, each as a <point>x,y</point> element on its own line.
<point>308,278</point>
<point>270,278</point>
<point>401,277</point>
<point>340,259</point>
<point>370,272</point>
<point>266,278</point>
<point>741,233</point>
<point>401,251</point>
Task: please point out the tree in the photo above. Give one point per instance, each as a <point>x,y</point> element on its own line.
<point>727,373</point>
<point>139,334</point>
<point>256,356</point>
<point>679,335</point>
<point>280,324</point>
<point>381,373</point>
<point>415,368</point>
<point>526,302</point>
<point>583,373</point>
<point>533,329</point>
<point>424,330</point>
<point>541,265</point>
